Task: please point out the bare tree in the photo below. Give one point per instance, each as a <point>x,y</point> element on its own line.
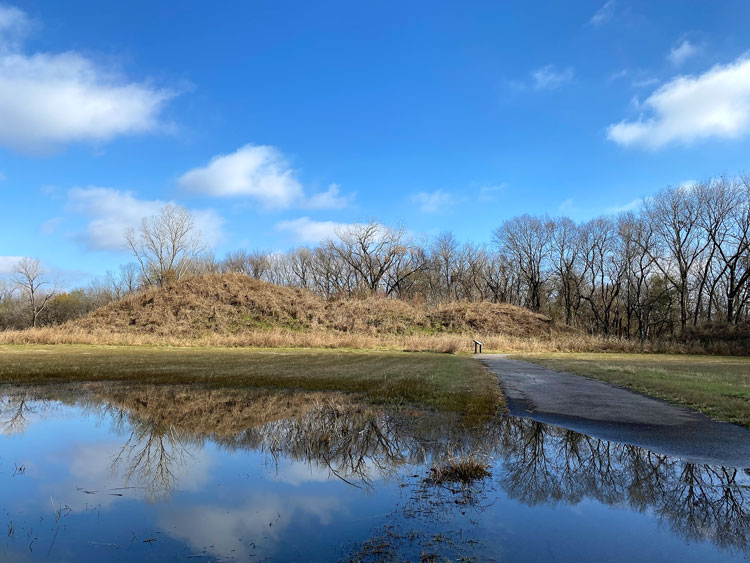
<point>603,268</point>
<point>674,214</point>
<point>165,245</point>
<point>254,264</point>
<point>636,239</point>
<point>526,239</point>
<point>565,255</point>
<point>125,281</point>
<point>403,275</point>
<point>444,254</point>
<point>370,250</point>
<point>35,286</point>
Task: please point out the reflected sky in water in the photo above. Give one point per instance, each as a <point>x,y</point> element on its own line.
<point>98,472</point>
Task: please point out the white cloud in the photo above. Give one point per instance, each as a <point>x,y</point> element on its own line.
<point>260,172</point>
<point>689,108</point>
<point>14,25</point>
<point>262,514</point>
<point>253,170</point>
<point>567,204</point>
<point>603,14</point>
<point>639,78</point>
<point>299,473</point>
<point>645,82</point>
<point>548,78</point>
<point>329,199</point>
<point>50,225</point>
<point>687,185</point>
<point>630,206</point>
<point>682,52</point>
<point>306,230</point>
<point>51,99</point>
<point>112,212</point>
<point>488,193</point>
<point>431,202</point>
<point>8,264</point>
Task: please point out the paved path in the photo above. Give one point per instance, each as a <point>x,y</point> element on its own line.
<point>613,413</point>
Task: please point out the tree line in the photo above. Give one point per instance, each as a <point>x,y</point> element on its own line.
<point>678,262</point>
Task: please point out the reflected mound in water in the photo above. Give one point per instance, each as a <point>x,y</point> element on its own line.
<point>533,463</point>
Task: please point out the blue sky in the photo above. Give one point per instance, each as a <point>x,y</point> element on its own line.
<point>277,121</point>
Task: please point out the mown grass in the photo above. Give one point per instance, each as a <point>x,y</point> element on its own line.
<point>435,380</point>
<point>716,385</point>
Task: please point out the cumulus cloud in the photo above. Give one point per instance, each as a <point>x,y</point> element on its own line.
<point>603,14</point>
<point>14,25</point>
<point>306,230</point>
<point>549,78</point>
<point>329,199</point>
<point>689,108</point>
<point>112,212</point>
<point>50,99</point>
<point>8,264</point>
<point>682,52</point>
<point>258,171</point>
<point>219,526</point>
<point>432,202</point>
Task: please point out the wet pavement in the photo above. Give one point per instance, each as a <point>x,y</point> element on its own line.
<point>613,413</point>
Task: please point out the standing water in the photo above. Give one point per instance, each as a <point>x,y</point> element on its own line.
<point>122,472</point>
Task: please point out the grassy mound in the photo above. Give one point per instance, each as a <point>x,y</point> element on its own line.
<point>234,304</point>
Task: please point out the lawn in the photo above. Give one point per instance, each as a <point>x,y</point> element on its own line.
<point>434,380</point>
<point>716,385</point>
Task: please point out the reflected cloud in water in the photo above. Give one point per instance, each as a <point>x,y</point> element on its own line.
<point>240,473</point>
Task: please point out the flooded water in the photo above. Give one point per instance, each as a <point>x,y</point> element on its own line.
<point>93,473</point>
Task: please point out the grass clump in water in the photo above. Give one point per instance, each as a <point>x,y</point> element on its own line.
<point>464,471</point>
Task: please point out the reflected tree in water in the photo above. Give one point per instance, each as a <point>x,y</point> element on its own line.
<point>533,463</point>
<point>545,464</point>
<point>14,411</point>
<point>151,457</point>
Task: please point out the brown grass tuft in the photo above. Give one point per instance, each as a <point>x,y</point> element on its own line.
<point>464,471</point>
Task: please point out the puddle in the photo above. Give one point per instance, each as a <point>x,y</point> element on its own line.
<point>155,473</point>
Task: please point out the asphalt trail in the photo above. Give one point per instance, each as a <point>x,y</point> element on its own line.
<point>606,411</point>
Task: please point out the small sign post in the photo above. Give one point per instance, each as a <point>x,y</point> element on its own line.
<point>477,347</point>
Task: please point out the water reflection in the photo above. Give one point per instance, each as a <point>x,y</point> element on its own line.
<point>545,464</point>
<point>163,430</point>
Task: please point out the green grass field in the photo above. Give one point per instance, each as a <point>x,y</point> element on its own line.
<point>435,380</point>
<point>716,385</point>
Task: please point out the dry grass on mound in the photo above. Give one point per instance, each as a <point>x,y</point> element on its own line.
<point>235,310</point>
<point>234,304</point>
